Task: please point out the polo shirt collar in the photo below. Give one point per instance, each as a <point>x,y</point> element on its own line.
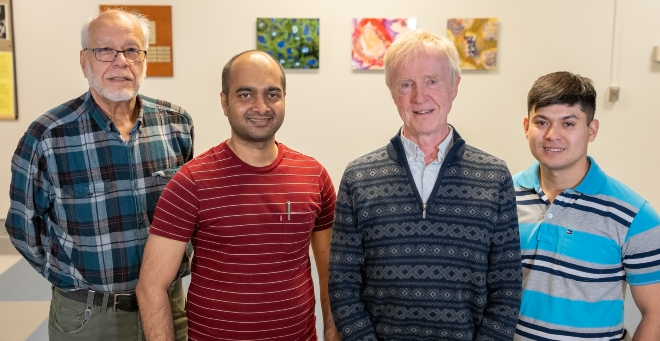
<point>592,183</point>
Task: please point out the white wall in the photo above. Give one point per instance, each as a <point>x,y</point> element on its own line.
<point>336,114</point>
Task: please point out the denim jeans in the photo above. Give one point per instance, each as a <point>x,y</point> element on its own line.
<point>67,319</point>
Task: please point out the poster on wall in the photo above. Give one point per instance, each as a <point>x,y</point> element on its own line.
<point>293,41</point>
<point>159,54</point>
<point>371,38</point>
<point>476,42</point>
<point>8,98</point>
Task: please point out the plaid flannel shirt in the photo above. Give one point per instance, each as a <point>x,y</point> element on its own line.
<point>82,198</point>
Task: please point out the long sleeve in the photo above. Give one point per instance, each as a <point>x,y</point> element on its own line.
<point>347,270</point>
<point>504,277</point>
<point>29,201</point>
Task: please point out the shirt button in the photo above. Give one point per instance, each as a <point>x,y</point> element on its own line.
<point>550,216</point>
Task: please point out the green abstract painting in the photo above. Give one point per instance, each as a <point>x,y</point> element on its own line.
<point>294,42</point>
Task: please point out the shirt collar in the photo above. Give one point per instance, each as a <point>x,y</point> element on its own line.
<point>592,183</point>
<point>105,122</point>
<point>414,153</point>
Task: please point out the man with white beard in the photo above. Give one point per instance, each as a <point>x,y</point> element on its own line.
<point>86,177</point>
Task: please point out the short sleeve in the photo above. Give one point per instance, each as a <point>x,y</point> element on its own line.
<point>641,251</point>
<point>177,209</point>
<point>328,199</point>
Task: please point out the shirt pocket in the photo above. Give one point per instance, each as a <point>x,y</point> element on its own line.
<point>86,206</point>
<point>600,258</point>
<point>163,176</point>
<point>296,230</point>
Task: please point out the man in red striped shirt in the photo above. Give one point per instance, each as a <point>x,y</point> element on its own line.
<point>251,207</point>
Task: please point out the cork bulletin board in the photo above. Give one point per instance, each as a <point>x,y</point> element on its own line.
<point>8,98</point>
<point>159,54</point>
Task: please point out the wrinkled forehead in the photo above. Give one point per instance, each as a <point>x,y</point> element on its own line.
<point>113,27</point>
<point>423,61</point>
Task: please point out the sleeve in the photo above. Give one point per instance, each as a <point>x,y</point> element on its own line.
<point>191,150</point>
<point>641,250</point>
<point>29,195</point>
<point>347,270</point>
<point>328,198</point>
<point>504,277</point>
<point>177,209</point>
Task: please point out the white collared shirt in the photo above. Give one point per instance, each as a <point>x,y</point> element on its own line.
<point>423,174</point>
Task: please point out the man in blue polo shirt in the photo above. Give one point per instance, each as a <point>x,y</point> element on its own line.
<point>584,235</point>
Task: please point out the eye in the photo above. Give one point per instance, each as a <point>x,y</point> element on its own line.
<point>273,95</point>
<point>406,85</point>
<point>103,50</point>
<point>244,95</point>
<point>132,49</point>
<point>569,124</point>
<point>540,122</point>
<point>433,81</point>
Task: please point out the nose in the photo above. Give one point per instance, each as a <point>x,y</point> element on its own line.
<point>418,95</point>
<point>552,133</point>
<point>259,105</point>
<point>120,59</point>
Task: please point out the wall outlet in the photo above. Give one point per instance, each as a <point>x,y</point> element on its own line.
<point>614,93</point>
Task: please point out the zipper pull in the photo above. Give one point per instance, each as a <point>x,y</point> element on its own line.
<point>424,211</point>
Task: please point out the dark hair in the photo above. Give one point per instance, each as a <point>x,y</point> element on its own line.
<point>230,63</point>
<point>563,88</point>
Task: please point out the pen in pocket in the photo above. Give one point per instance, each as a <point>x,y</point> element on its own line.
<point>288,210</point>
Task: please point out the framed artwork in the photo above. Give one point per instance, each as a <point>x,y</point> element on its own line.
<point>8,97</point>
<point>294,42</point>
<point>159,53</point>
<point>476,42</point>
<point>372,36</point>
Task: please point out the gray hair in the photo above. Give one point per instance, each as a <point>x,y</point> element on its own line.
<point>414,42</point>
<point>140,19</point>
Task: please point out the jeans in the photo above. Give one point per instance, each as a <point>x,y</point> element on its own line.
<point>67,319</point>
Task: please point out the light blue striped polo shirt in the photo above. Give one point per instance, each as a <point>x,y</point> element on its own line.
<point>579,253</point>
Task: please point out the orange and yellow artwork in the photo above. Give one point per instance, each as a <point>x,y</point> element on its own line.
<point>372,37</point>
<point>476,42</point>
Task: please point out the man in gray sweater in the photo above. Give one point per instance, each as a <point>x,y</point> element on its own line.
<point>425,243</point>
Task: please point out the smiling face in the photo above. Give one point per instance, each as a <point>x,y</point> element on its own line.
<point>558,137</point>
<point>254,104</point>
<point>423,92</point>
<point>119,80</point>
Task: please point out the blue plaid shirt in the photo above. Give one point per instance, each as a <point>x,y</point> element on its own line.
<point>82,199</point>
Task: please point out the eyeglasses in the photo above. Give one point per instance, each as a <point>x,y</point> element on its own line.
<point>106,54</point>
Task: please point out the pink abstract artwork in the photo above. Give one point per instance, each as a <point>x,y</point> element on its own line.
<point>372,37</point>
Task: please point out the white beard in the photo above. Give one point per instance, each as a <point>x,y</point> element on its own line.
<point>121,95</point>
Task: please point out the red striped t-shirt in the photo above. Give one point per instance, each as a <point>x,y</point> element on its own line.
<point>251,273</point>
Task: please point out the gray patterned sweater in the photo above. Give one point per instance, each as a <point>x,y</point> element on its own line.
<point>450,273</point>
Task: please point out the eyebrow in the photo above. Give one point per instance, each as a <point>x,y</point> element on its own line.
<point>252,89</point>
<point>568,117</point>
<point>109,42</point>
<point>244,88</point>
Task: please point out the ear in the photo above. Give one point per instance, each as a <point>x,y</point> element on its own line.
<point>458,81</point>
<point>83,60</point>
<point>593,129</point>
<point>223,102</point>
<point>526,126</point>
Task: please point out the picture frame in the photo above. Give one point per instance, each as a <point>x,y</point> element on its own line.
<point>8,95</point>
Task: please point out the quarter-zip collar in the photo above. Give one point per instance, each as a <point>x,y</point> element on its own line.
<point>396,152</point>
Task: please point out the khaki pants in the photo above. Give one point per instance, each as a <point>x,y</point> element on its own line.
<point>67,316</point>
